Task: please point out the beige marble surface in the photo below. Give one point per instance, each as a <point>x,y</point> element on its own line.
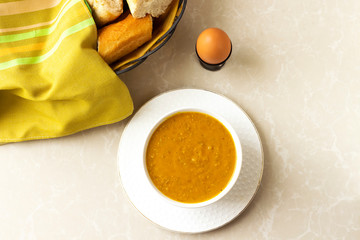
<point>295,69</point>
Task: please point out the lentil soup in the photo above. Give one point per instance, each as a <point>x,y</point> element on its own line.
<point>191,157</point>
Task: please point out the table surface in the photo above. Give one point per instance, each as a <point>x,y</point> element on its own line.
<point>294,69</point>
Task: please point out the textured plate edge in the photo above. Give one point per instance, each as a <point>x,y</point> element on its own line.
<point>259,180</point>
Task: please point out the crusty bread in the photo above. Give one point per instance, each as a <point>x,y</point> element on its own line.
<point>139,8</point>
<point>105,11</point>
<point>124,36</point>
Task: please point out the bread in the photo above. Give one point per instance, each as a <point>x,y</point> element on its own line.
<point>105,11</point>
<point>124,36</point>
<point>139,8</point>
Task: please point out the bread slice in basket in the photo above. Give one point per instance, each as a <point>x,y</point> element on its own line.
<point>124,36</point>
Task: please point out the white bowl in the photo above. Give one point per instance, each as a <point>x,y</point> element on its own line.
<point>234,177</point>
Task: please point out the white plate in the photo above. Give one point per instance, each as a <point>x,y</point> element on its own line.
<point>157,209</point>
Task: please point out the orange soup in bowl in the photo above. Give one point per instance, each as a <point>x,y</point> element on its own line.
<point>190,157</point>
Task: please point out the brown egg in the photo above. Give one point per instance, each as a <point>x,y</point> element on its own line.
<point>213,46</point>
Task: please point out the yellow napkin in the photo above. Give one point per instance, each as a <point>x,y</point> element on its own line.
<point>52,80</point>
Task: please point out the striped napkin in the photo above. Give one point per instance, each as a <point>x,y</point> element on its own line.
<point>52,81</point>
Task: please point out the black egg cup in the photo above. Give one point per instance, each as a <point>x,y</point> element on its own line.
<point>212,67</point>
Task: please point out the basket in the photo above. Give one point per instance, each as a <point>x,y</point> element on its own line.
<point>158,44</point>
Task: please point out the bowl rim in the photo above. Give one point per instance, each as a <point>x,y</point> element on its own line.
<point>234,177</point>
